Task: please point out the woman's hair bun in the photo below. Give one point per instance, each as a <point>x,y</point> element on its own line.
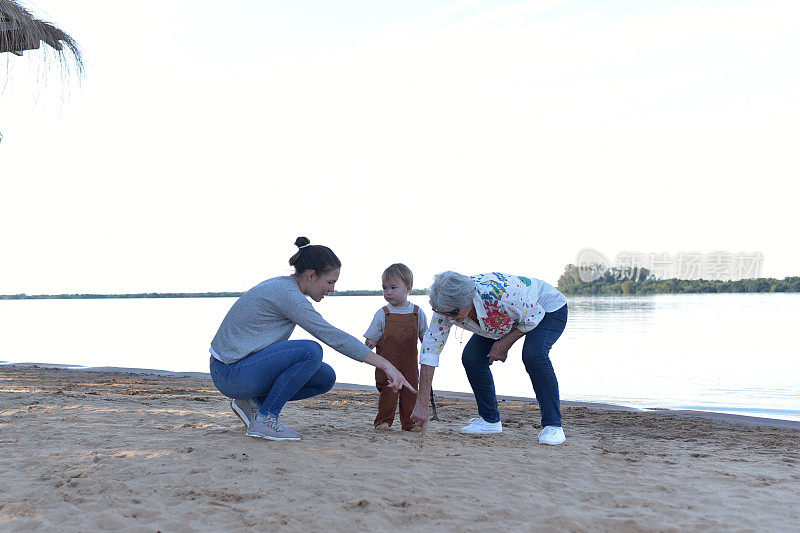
<point>318,258</point>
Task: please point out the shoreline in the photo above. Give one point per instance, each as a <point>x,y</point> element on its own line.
<point>618,291</point>
<point>712,416</point>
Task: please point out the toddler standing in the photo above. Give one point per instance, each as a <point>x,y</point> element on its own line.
<point>394,330</point>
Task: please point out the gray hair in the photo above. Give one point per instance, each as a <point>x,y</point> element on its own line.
<point>451,290</point>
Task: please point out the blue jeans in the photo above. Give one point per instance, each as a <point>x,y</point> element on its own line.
<point>282,372</point>
<point>535,356</point>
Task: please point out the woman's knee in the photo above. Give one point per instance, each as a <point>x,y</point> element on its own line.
<point>536,357</point>
<point>326,377</point>
<point>537,346</point>
<point>472,357</point>
<point>312,350</point>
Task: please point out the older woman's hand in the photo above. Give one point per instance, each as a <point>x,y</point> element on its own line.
<point>420,415</point>
<point>497,353</point>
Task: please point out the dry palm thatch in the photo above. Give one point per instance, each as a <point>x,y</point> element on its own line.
<point>20,31</point>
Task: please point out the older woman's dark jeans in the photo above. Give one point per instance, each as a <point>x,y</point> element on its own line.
<point>535,356</point>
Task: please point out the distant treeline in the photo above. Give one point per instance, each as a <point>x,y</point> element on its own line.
<point>640,281</point>
<point>173,295</point>
<point>135,295</point>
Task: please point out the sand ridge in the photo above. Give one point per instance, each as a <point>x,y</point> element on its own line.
<point>113,451</point>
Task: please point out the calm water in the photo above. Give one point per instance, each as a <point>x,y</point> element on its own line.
<point>734,353</point>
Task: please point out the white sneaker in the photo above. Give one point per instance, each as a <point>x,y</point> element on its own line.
<point>552,435</point>
<point>479,425</point>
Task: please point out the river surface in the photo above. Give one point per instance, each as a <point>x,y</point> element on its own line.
<point>732,353</point>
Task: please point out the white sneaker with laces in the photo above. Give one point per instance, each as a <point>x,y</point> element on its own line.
<point>479,425</point>
<point>552,435</point>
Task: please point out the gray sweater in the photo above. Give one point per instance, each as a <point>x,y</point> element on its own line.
<point>268,313</point>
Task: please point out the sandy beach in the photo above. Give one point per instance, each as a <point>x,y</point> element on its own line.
<point>101,450</point>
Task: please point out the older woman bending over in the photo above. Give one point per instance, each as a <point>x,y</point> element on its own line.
<point>499,309</point>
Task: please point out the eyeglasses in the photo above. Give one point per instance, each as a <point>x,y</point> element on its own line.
<point>452,314</point>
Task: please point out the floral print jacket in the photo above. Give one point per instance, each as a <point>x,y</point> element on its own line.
<point>502,302</point>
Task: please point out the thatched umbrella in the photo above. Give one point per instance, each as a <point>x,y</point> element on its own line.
<point>20,31</point>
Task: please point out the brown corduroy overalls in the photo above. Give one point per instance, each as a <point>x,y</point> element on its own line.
<point>399,346</point>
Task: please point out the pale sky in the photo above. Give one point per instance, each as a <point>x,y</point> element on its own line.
<point>464,135</point>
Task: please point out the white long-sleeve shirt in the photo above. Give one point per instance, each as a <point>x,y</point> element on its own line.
<point>502,302</point>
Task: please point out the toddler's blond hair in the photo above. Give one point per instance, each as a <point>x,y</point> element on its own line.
<point>401,272</point>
